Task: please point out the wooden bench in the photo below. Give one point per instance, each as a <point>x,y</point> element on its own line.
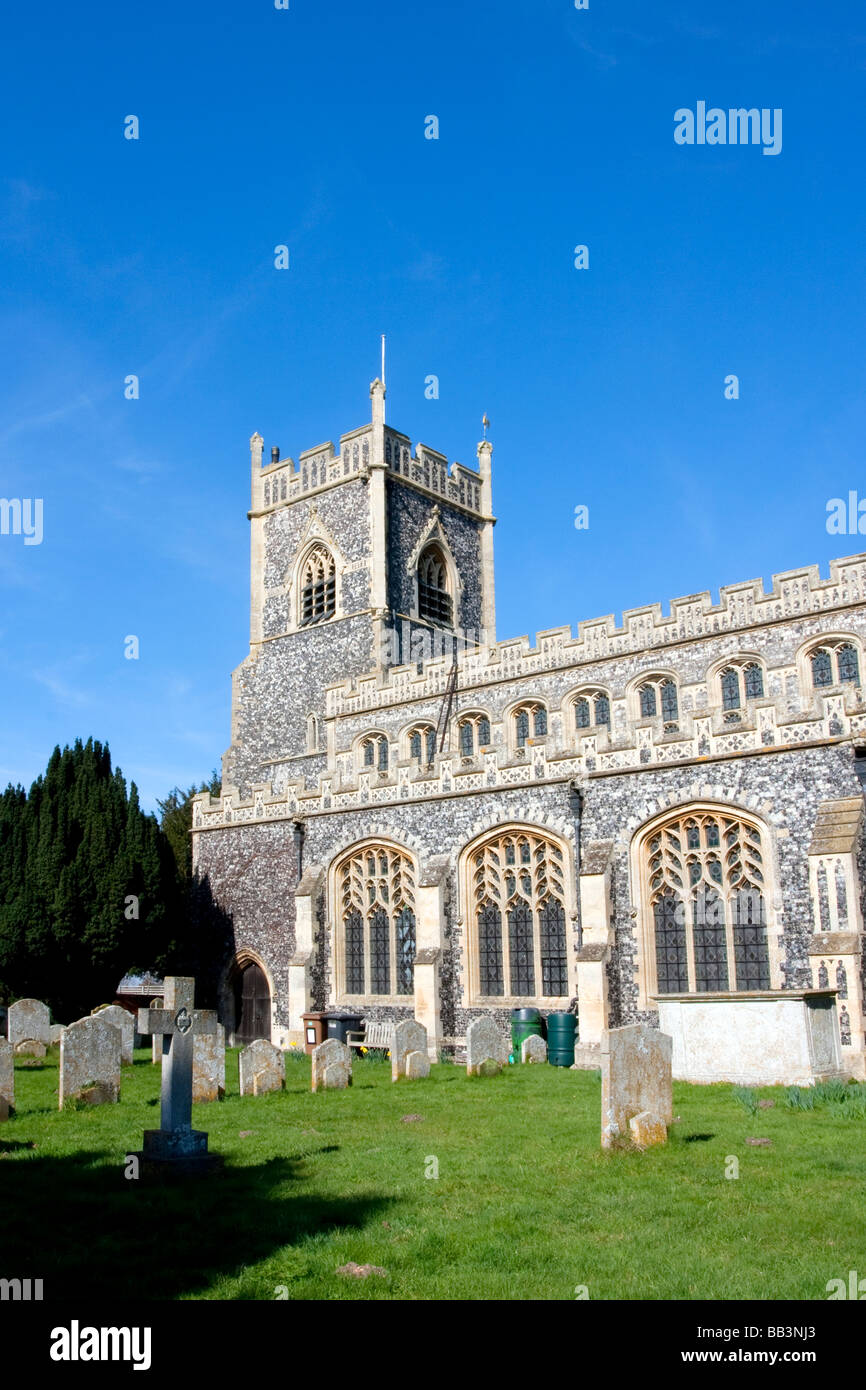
<point>377,1033</point>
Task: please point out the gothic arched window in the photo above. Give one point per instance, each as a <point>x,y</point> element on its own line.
<point>374,752</point>
<point>591,708</point>
<point>474,734</point>
<point>705,878</point>
<point>318,587</point>
<point>434,599</point>
<point>422,744</point>
<point>835,662</point>
<point>376,891</point>
<point>517,891</point>
<point>530,721</point>
<point>658,695</point>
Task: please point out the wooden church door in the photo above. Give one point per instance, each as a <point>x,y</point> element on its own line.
<point>253,1006</point>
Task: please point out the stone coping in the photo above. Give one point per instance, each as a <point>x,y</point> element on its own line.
<point>745,995</point>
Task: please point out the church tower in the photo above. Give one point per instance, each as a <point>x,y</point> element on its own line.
<point>361,558</point>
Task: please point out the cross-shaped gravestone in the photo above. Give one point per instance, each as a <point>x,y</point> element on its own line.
<point>176,1143</point>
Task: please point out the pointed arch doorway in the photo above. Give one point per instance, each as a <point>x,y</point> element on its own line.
<point>252,1004</point>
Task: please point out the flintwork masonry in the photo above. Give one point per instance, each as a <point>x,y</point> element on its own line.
<point>420,820</point>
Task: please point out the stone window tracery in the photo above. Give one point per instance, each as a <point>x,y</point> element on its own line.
<point>705,878</point>
<point>374,752</point>
<point>835,663</point>
<point>318,587</point>
<point>658,695</point>
<point>740,682</point>
<point>517,895</point>
<point>376,890</point>
<point>591,709</point>
<point>422,744</point>
<point>474,734</point>
<point>530,721</point>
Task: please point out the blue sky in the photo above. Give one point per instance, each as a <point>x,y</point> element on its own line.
<point>605,387</point>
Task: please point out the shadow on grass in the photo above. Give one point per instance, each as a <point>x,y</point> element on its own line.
<point>77,1223</point>
<point>697,1138</point>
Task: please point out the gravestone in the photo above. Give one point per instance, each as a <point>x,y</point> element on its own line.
<point>533,1049</point>
<point>124,1021</point>
<point>156,1041</point>
<point>29,1047</point>
<point>90,1062</point>
<point>209,1066</point>
<point>262,1068</point>
<point>417,1066</point>
<point>485,1043</point>
<point>332,1066</point>
<point>54,1035</point>
<point>176,1148</point>
<point>409,1036</point>
<point>7,1079</point>
<point>635,1082</point>
<point>29,1018</point>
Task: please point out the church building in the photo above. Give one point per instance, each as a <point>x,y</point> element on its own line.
<point>419,820</point>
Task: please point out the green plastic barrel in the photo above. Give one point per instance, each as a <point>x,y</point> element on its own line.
<point>560,1039</point>
<point>524,1022</point>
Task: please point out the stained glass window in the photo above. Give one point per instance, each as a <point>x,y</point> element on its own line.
<point>528,898</point>
<point>849,667</point>
<point>822,669</point>
<point>376,889</point>
<point>705,874</point>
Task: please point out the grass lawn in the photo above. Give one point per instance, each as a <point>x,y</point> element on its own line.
<point>525,1206</point>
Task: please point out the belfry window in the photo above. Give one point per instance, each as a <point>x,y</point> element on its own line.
<point>518,906</point>
<point>376,891</point>
<point>705,875</point>
<point>318,587</point>
<point>434,600</point>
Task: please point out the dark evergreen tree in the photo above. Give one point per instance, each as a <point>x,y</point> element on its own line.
<point>89,887</point>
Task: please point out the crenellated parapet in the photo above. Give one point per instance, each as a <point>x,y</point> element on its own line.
<point>283,481</point>
<point>741,607</point>
<point>703,740</point>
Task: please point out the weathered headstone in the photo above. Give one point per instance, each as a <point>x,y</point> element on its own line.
<point>409,1036</point>
<point>90,1058</point>
<point>156,1040</point>
<point>332,1066</point>
<point>54,1035</point>
<point>209,1066</point>
<point>29,1018</point>
<point>635,1081</point>
<point>7,1079</point>
<point>417,1066</point>
<point>262,1068</point>
<point>533,1049</point>
<point>30,1047</point>
<point>124,1021</point>
<point>485,1043</point>
<point>176,1147</point>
